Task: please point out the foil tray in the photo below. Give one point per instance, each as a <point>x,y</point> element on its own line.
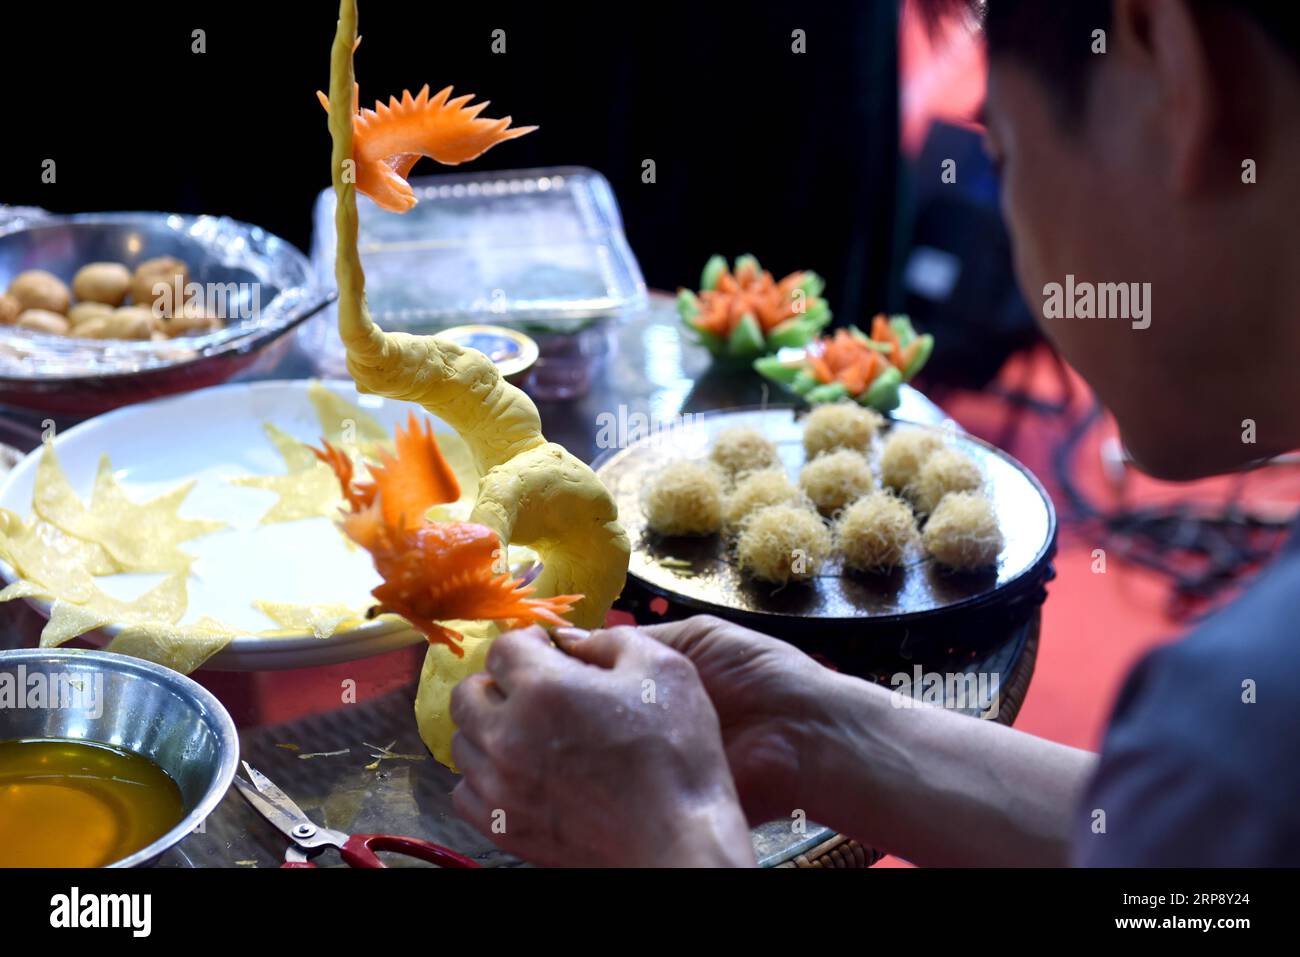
<point>59,373</point>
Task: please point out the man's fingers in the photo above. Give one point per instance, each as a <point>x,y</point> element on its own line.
<point>476,768</point>
<point>567,635</point>
<point>473,807</point>
<point>704,635</point>
<point>473,701</point>
<point>525,651</point>
<point>601,648</point>
<point>468,756</point>
<point>683,635</point>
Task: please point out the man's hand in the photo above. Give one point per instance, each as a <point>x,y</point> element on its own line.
<point>610,755</point>
<point>768,696</point>
<point>934,786</point>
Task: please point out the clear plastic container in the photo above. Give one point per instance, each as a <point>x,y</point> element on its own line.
<point>539,250</point>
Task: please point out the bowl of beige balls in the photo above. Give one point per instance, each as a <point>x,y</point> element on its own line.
<point>108,300</point>
<point>101,309</point>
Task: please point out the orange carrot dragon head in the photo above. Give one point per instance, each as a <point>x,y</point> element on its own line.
<point>432,571</point>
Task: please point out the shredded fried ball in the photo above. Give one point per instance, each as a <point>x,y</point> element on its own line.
<point>783,543</point>
<point>835,479</point>
<point>963,532</point>
<point>944,471</point>
<point>840,425</point>
<point>685,498</point>
<point>770,486</point>
<point>873,534</point>
<point>740,449</point>
<point>903,454</point>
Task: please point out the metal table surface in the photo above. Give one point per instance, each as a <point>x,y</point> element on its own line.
<point>318,732</point>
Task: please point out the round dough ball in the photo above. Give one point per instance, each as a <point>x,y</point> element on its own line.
<point>903,454</point>
<point>131,322</point>
<point>684,499</point>
<point>770,486</point>
<point>963,532</point>
<point>102,282</point>
<point>96,327</point>
<point>189,321</point>
<point>9,309</point>
<point>162,269</point>
<point>783,543</point>
<point>38,289</point>
<point>42,320</point>
<point>944,471</point>
<point>85,311</point>
<point>834,479</point>
<point>873,534</point>
<point>840,425</point>
<point>740,449</point>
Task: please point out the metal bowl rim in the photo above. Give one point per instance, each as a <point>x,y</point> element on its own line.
<point>219,719</point>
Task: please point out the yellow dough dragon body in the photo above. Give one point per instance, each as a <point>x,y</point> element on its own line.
<point>531,492</point>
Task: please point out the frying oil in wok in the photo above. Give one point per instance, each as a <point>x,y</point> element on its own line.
<point>79,803</point>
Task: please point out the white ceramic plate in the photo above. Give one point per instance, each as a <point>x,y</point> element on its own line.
<point>211,435</point>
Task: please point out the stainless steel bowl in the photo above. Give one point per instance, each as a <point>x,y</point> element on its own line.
<point>83,376</point>
<point>140,706</point>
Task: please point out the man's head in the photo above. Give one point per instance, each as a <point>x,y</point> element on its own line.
<point>1157,141</point>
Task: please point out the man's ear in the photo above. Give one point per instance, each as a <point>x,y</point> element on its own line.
<point>1164,39</point>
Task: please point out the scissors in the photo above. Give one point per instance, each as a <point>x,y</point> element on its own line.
<point>357,850</point>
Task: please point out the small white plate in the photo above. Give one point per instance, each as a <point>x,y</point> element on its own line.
<point>212,435</point>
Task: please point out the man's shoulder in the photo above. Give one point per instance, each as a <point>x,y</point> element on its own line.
<point>1236,670</point>
<point>1199,764</point>
<point>1254,640</point>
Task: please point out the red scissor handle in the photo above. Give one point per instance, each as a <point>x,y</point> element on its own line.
<point>359,851</point>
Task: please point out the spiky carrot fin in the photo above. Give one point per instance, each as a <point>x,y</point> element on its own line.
<point>551,610</point>
<point>358,494</point>
<point>449,131</point>
<point>416,479</point>
<point>388,140</point>
<point>438,634</point>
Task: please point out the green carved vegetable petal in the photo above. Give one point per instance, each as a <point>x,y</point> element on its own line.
<point>882,394</point>
<point>714,268</point>
<point>923,352</point>
<point>747,338</point>
<point>688,306</point>
<point>782,373</point>
<point>829,392</point>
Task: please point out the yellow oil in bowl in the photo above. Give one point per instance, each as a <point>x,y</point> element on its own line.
<point>70,803</point>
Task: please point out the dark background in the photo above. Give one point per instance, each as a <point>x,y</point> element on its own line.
<point>790,157</point>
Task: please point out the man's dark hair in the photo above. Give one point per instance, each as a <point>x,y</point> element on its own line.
<point>1054,38</point>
